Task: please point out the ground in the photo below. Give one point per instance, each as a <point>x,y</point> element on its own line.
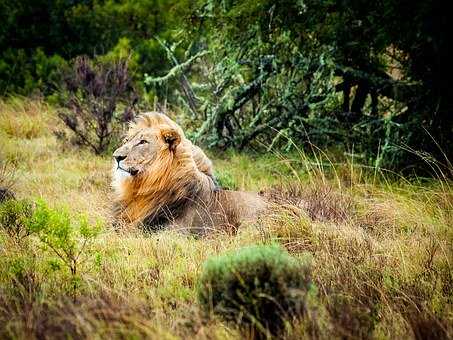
<point>380,244</point>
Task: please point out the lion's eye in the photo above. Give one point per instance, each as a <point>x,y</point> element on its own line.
<point>143,142</point>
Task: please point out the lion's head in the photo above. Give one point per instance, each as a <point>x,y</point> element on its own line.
<point>150,136</point>
<point>156,167</point>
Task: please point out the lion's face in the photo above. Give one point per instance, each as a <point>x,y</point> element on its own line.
<point>142,147</point>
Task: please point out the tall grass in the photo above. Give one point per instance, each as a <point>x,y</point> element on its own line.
<point>25,118</point>
<point>381,247</point>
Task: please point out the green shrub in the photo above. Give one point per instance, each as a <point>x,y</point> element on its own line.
<point>14,217</point>
<point>58,233</point>
<point>258,287</point>
<point>25,71</point>
<point>67,239</point>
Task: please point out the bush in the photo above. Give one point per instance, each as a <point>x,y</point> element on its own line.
<point>97,98</point>
<point>29,71</point>
<point>258,287</point>
<point>68,239</point>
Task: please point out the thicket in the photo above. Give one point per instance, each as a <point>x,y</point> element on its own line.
<point>368,78</point>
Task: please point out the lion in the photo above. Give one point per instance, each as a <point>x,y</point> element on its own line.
<point>162,180</point>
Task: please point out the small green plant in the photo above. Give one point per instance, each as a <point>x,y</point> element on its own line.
<point>68,240</point>
<point>14,217</point>
<point>55,229</point>
<point>258,288</point>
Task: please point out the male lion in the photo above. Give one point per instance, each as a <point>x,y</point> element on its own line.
<point>162,180</point>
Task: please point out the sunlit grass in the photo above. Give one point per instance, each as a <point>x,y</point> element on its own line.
<point>26,118</point>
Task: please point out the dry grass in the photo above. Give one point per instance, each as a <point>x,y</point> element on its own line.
<point>381,249</point>
<point>26,118</point>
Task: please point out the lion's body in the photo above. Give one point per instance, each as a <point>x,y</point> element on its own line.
<point>174,184</point>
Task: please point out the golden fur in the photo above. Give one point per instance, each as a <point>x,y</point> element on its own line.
<point>172,183</point>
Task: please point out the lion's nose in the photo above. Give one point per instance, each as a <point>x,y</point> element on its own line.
<point>119,158</point>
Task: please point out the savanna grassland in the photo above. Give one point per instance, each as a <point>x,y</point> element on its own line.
<point>380,246</point>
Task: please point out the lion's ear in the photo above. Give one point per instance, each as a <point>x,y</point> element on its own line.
<point>171,137</point>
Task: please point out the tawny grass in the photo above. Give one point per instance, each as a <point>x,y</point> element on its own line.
<point>381,246</point>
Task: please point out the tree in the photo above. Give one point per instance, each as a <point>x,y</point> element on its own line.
<point>329,72</point>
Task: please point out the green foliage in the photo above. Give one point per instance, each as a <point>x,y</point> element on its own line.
<point>258,287</point>
<point>293,73</point>
<point>20,73</point>
<point>40,34</point>
<point>15,216</point>
<point>65,238</point>
<point>226,180</point>
<point>56,231</point>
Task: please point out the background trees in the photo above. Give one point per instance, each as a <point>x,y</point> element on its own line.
<point>367,77</point>
<point>359,74</point>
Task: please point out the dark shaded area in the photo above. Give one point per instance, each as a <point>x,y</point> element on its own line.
<point>6,194</point>
<point>389,61</point>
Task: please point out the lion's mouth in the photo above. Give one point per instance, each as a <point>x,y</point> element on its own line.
<point>131,171</point>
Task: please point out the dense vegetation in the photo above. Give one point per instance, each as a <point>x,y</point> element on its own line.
<point>367,78</point>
